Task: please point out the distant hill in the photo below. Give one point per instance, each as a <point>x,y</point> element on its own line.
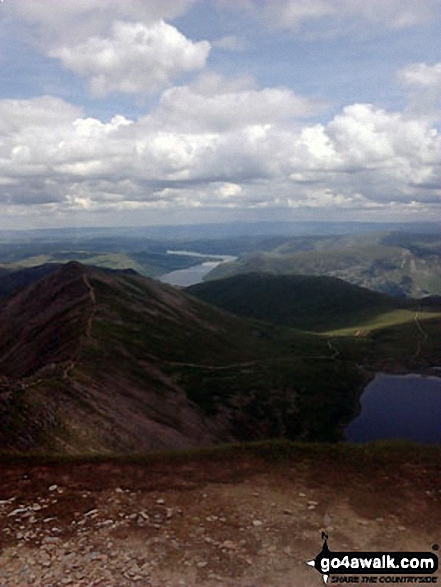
<point>301,301</point>
<point>149,259</point>
<point>398,261</point>
<point>398,264</point>
<point>106,361</point>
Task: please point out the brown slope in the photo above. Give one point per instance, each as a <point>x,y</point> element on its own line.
<point>42,323</point>
<point>69,385</point>
<point>86,357</point>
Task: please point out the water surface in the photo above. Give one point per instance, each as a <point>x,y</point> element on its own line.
<point>399,406</point>
<point>195,274</point>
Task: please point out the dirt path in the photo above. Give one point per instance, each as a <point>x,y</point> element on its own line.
<point>70,365</point>
<point>240,522</point>
<point>335,353</point>
<point>423,334</point>
<point>93,304</point>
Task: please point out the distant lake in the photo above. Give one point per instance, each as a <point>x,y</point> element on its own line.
<point>195,274</point>
<point>399,406</point>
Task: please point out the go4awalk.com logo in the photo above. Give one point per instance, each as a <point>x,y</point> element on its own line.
<point>363,567</point>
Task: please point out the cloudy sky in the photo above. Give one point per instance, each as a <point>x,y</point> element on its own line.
<point>137,112</point>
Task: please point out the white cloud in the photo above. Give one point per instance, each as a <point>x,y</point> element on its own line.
<point>118,46</point>
<point>213,141</point>
<point>290,14</point>
<point>79,19</point>
<point>23,115</point>
<point>421,75</point>
<point>53,158</point>
<point>136,58</point>
<point>377,149</point>
<point>423,84</point>
<point>393,13</point>
<point>328,198</point>
<point>214,104</point>
<point>229,190</point>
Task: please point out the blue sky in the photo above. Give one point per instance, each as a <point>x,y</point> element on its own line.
<point>158,112</point>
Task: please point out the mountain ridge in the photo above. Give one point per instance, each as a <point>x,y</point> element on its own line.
<point>99,361</point>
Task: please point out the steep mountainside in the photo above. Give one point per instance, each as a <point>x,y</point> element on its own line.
<point>98,361</point>
<point>13,279</point>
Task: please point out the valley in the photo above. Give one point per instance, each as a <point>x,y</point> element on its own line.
<point>105,359</point>
<point>397,259</point>
<point>97,360</point>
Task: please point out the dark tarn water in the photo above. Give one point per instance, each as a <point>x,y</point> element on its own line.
<point>399,406</point>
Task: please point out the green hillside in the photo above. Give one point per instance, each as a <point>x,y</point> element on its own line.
<point>306,302</point>
<point>378,331</point>
<point>397,264</point>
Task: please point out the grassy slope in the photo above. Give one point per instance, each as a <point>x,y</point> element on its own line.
<point>269,379</point>
<point>14,279</point>
<point>357,325</point>
<point>306,302</point>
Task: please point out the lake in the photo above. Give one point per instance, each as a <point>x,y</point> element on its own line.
<point>399,406</point>
<point>195,274</point>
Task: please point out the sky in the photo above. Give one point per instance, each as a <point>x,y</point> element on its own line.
<point>141,112</point>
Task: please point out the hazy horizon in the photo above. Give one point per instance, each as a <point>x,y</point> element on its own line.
<point>220,229</point>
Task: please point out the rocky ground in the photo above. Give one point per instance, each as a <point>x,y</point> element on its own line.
<point>214,520</point>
